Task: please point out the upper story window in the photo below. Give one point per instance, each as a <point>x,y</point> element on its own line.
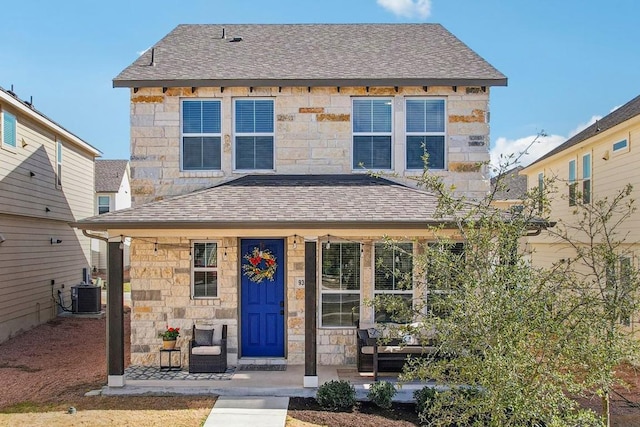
<point>59,164</point>
<point>572,183</point>
<point>8,129</point>
<point>104,204</point>
<point>425,129</point>
<point>340,284</point>
<point>254,134</point>
<point>372,133</point>
<point>393,275</point>
<point>204,269</point>
<point>201,135</point>
<point>586,178</point>
<point>620,146</point>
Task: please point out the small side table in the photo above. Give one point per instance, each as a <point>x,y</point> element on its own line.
<point>170,366</point>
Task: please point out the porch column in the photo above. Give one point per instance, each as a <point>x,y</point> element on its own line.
<point>310,311</point>
<point>115,316</point>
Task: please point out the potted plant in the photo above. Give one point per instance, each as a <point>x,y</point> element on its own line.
<point>169,337</point>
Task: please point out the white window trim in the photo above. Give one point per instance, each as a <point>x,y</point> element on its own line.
<point>194,269</point>
<point>444,133</point>
<point>236,134</point>
<point>182,135</point>
<point>621,150</point>
<point>389,134</point>
<point>98,203</point>
<point>10,148</point>
<point>59,163</point>
<point>336,292</point>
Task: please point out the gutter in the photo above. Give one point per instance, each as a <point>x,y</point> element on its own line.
<point>94,236</point>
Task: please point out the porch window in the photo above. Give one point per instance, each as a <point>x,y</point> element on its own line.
<point>254,134</point>
<point>573,185</point>
<point>340,284</point>
<point>586,178</point>
<point>204,269</point>
<point>201,135</point>
<point>425,127</point>
<point>393,275</point>
<point>8,129</point>
<point>104,204</point>
<point>372,133</point>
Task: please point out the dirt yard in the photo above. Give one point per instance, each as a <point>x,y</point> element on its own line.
<point>46,371</point>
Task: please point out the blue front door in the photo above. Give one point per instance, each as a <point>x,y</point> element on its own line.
<point>262,310</point>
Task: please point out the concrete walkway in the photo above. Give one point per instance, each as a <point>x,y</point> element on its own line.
<point>264,411</point>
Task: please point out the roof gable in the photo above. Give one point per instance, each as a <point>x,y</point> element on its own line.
<point>109,175</point>
<point>309,55</point>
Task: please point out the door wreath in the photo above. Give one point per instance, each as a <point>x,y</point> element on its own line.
<point>262,265</point>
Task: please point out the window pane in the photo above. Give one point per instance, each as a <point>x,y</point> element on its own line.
<point>340,309</point>
<point>191,117</point>
<point>264,152</point>
<point>211,116</point>
<point>244,116</point>
<point>434,115</point>
<point>415,115</point>
<point>381,115</point>
<point>205,255</point>
<point>372,115</point>
<point>245,153</point>
<point>572,170</point>
<point>205,284</point>
<point>416,146</point>
<point>9,129</point>
<point>362,115</point>
<point>393,266</point>
<point>620,145</point>
<point>586,166</point>
<point>586,191</point>
<point>383,315</point>
<point>372,152</point>
<point>341,266</point>
<point>201,153</point>
<point>383,267</point>
<point>254,152</point>
<point>264,116</point>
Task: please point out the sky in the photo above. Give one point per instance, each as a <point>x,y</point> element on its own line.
<point>568,62</point>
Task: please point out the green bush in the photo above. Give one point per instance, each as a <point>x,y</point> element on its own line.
<point>336,395</point>
<point>424,399</point>
<point>381,393</point>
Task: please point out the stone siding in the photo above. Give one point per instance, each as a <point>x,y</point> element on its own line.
<point>312,135</point>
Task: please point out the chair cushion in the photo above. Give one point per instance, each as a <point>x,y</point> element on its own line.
<point>203,337</point>
<point>209,350</point>
<point>217,332</point>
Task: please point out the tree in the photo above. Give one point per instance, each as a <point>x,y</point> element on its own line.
<point>523,339</point>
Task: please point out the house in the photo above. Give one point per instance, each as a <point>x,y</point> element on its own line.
<point>509,189</point>
<point>596,163</point>
<point>252,202</point>
<point>113,192</point>
<point>46,182</point>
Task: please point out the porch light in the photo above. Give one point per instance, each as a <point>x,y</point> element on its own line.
<point>295,243</point>
<point>328,245</point>
<point>224,256</point>
<point>121,245</point>
<point>155,248</point>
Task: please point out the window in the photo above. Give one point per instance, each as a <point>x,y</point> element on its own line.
<point>425,127</point>
<point>8,129</point>
<point>393,275</point>
<point>254,134</point>
<point>104,204</point>
<point>201,148</point>
<point>59,164</point>
<point>442,277</point>
<point>204,269</point>
<point>372,133</point>
<point>540,191</point>
<point>620,146</point>
<point>572,183</point>
<point>586,178</point>
<point>340,284</point>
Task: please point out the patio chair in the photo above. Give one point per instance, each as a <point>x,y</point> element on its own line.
<point>208,350</point>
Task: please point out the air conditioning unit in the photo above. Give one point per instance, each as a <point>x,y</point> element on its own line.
<point>85,299</point>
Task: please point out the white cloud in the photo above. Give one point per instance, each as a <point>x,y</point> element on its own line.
<point>505,147</point>
<point>408,8</point>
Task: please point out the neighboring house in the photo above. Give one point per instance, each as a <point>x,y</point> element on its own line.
<point>113,192</point>
<point>596,163</point>
<point>512,189</point>
<point>252,141</point>
<point>46,182</point>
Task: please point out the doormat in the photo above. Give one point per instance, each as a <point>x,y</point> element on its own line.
<point>262,367</point>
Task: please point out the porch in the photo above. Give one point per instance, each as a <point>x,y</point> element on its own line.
<point>141,380</point>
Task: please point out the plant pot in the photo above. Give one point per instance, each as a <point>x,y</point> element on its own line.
<point>168,344</point>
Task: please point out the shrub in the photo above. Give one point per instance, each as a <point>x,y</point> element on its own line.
<point>336,395</point>
<point>424,399</point>
<point>381,393</point>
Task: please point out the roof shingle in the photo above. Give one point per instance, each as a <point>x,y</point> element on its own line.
<point>109,174</point>
<point>310,55</point>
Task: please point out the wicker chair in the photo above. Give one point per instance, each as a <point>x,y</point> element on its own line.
<point>206,359</point>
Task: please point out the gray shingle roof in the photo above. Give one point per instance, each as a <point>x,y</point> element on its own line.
<point>109,174</point>
<point>515,185</point>
<point>283,200</point>
<point>310,55</point>
<point>620,115</point>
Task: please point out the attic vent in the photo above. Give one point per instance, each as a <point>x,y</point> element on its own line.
<point>235,39</point>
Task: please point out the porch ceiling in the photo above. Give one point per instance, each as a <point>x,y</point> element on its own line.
<point>286,201</point>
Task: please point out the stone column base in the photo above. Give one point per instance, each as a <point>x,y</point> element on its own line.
<point>310,382</point>
<point>115,381</point>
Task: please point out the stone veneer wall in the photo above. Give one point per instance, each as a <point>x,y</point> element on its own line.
<point>161,297</point>
<point>312,135</point>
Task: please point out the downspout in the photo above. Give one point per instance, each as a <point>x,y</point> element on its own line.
<point>95,236</point>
